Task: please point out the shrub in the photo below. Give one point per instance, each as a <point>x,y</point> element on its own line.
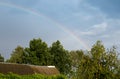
<point>34,76</point>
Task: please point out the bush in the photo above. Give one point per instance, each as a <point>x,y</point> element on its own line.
<point>34,76</point>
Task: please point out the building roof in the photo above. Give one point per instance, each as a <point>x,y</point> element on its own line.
<point>23,69</point>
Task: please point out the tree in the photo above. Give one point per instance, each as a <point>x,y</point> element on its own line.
<point>60,57</point>
<point>1,58</point>
<point>17,55</point>
<point>99,63</point>
<point>37,53</point>
<point>76,56</point>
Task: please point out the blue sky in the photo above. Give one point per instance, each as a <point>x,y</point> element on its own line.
<point>78,24</point>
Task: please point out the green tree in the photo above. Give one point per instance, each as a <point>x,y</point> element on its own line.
<point>60,58</point>
<point>1,58</point>
<point>76,56</point>
<point>37,53</point>
<point>99,63</point>
<point>17,55</point>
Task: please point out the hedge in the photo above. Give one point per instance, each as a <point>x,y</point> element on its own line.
<point>34,76</point>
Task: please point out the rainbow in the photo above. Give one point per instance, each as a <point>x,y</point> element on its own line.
<point>62,27</point>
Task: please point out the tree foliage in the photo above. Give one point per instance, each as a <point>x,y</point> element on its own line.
<point>98,63</point>
<point>17,55</point>
<point>1,58</point>
<point>37,53</point>
<point>75,56</point>
<point>60,57</point>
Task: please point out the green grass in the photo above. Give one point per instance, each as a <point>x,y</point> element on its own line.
<point>34,76</point>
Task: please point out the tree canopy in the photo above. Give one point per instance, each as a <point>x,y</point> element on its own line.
<point>98,63</point>
<point>17,55</point>
<point>1,58</point>
<point>60,57</point>
<point>38,53</point>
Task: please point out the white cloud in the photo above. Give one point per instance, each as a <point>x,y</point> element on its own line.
<point>87,33</point>
<point>96,29</point>
<point>105,36</point>
<point>100,27</point>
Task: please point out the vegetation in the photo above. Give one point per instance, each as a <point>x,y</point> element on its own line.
<point>60,58</point>
<point>1,58</point>
<point>38,53</point>
<point>34,76</point>
<point>98,63</point>
<point>17,55</point>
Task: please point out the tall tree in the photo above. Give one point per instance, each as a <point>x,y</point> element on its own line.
<point>76,56</point>
<point>99,63</point>
<point>37,53</point>
<point>60,57</point>
<point>1,58</point>
<point>17,55</point>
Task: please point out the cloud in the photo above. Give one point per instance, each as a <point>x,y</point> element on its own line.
<point>87,21</point>
<point>96,29</point>
<point>105,36</point>
<point>100,27</point>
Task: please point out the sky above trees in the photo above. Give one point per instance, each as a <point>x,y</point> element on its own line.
<point>78,24</point>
